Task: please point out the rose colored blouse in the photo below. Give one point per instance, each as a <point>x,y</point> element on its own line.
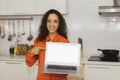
<point>32,58</point>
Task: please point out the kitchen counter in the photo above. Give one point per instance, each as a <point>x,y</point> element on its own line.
<point>12,58</point>
<point>85,61</point>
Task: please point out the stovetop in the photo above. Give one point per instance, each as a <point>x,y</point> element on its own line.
<point>99,58</point>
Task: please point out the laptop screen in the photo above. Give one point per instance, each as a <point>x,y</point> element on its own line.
<point>62,53</point>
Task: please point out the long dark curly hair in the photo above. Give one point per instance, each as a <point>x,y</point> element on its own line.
<point>43,31</point>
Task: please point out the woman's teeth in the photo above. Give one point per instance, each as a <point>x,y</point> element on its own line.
<point>52,28</point>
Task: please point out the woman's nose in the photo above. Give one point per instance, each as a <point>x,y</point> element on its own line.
<point>51,23</point>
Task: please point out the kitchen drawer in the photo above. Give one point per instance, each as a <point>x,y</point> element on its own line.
<point>12,70</point>
<point>101,72</point>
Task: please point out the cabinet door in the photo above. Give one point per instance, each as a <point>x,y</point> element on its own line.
<point>3,7</point>
<point>14,71</point>
<point>1,69</point>
<point>44,5</point>
<point>21,7</point>
<point>32,72</point>
<point>99,72</point>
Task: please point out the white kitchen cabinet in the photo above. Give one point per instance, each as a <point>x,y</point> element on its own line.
<point>101,72</point>
<point>1,69</point>
<point>31,7</point>
<point>32,72</point>
<point>43,5</point>
<point>3,7</point>
<point>21,7</point>
<point>13,70</point>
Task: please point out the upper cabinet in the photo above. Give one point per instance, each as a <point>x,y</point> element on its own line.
<point>3,7</point>
<point>43,5</point>
<point>18,7</point>
<point>31,7</point>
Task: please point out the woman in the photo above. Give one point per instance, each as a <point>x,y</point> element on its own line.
<point>53,28</point>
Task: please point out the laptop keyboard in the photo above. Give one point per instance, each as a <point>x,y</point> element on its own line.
<point>61,67</point>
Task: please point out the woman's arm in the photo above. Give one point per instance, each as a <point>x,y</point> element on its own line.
<point>31,57</point>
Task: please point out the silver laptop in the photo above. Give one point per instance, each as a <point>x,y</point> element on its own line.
<point>62,58</point>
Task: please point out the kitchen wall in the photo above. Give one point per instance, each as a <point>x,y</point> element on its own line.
<point>83,21</point>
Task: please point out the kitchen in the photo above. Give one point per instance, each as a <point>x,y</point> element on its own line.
<point>83,21</point>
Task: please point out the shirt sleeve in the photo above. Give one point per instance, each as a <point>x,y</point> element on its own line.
<point>31,58</point>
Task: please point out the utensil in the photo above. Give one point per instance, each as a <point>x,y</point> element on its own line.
<point>3,30</point>
<point>18,36</point>
<point>109,52</point>
<point>0,29</point>
<point>23,29</point>
<point>14,29</point>
<point>30,37</point>
<point>18,28</point>
<point>10,36</point>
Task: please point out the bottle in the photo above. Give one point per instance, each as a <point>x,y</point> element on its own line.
<point>80,41</point>
<point>11,49</point>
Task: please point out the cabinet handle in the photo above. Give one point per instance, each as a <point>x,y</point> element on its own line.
<point>12,63</point>
<point>100,67</point>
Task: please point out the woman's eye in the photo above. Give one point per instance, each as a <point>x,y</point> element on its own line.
<point>56,21</point>
<point>48,21</point>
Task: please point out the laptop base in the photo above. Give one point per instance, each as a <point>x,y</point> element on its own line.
<point>60,71</point>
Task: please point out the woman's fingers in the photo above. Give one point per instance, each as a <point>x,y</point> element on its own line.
<point>36,50</point>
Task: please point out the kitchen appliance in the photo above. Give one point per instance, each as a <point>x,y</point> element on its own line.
<point>99,58</point>
<point>107,55</point>
<point>109,58</point>
<point>110,10</point>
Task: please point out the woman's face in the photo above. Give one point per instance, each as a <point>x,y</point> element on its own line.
<point>52,23</point>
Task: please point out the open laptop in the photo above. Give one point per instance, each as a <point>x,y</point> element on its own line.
<point>62,58</point>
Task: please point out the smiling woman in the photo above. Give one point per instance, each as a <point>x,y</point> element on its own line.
<point>53,28</point>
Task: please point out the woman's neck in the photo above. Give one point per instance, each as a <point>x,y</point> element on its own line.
<point>52,35</point>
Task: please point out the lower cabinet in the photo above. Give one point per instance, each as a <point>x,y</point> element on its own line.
<point>101,72</point>
<point>11,70</point>
<point>1,69</point>
<point>17,70</point>
<point>32,72</point>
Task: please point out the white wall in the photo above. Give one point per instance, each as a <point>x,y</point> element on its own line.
<point>97,32</point>
<point>83,21</point>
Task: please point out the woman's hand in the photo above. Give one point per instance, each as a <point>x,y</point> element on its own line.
<point>36,50</point>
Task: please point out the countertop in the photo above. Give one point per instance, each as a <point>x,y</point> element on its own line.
<point>12,58</point>
<point>107,63</point>
<point>84,60</point>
